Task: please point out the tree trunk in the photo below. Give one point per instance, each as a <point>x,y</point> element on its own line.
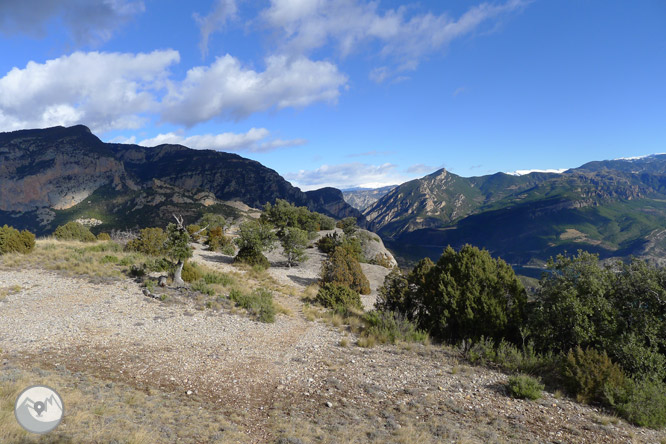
<point>177,279</point>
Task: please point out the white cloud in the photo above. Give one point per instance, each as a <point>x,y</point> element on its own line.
<point>102,90</point>
<point>227,90</point>
<point>214,21</point>
<point>255,140</point>
<point>88,21</point>
<point>347,175</point>
<point>307,25</point>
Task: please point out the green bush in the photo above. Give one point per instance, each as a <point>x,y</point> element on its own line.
<point>338,297</point>
<point>151,241</point>
<point>191,272</point>
<point>202,286</point>
<point>329,242</point>
<point>218,278</point>
<point>469,294</point>
<point>74,231</point>
<point>258,304</point>
<point>103,237</point>
<point>109,259</point>
<point>587,372</point>
<point>159,264</point>
<point>390,327</point>
<point>343,268</point>
<point>252,257</point>
<point>525,387</point>
<point>284,214</point>
<point>15,241</point>
<point>642,403</point>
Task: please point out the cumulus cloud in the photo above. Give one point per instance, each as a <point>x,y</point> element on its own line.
<point>227,90</point>
<point>223,11</point>
<point>88,21</point>
<point>255,140</point>
<point>347,24</point>
<point>348,175</point>
<point>102,90</point>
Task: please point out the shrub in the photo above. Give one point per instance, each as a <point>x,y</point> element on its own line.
<point>193,231</point>
<point>103,237</point>
<point>202,287</point>
<point>191,272</point>
<point>640,402</point>
<point>348,225</point>
<point>389,327</point>
<point>151,241</point>
<point>74,231</point>
<point>158,264</point>
<point>15,241</point>
<point>587,372</point>
<point>338,297</point>
<point>382,260</point>
<point>217,241</point>
<point>343,268</point>
<point>258,304</point>
<point>469,294</point>
<point>212,221</point>
<point>524,387</point>
<point>294,241</point>
<point>253,238</point>
<point>284,214</point>
<point>109,259</point>
<point>329,242</point>
<point>215,277</point>
<point>252,257</point>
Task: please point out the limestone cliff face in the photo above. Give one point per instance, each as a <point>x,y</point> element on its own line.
<point>54,172</point>
<point>362,198</point>
<point>59,168</point>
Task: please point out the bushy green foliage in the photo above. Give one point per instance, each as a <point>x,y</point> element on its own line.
<point>403,294</point>
<point>151,241</point>
<point>338,297</point>
<point>587,372</point>
<point>329,242</point>
<point>618,309</point>
<point>191,272</point>
<point>469,294</point>
<point>217,241</point>
<point>525,387</point>
<point>15,241</point>
<point>284,214</point>
<point>343,268</point>
<point>103,237</point>
<point>74,231</point>
<point>253,238</point>
<point>258,303</point>
<point>640,402</point>
<point>109,259</point>
<point>390,327</point>
<point>202,287</point>
<point>294,240</point>
<point>348,225</point>
<point>353,246</point>
<point>212,221</point>
<point>215,277</point>
<point>252,257</point>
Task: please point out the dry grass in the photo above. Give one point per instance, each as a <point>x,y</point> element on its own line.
<point>75,258</point>
<point>98,411</point>
<point>6,291</point>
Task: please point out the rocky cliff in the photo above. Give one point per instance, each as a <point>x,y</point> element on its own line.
<point>57,169</point>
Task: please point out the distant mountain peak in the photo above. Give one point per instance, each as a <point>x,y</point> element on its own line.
<point>645,156</point>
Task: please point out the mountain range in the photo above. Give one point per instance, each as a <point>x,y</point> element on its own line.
<point>616,208</point>
<point>49,176</point>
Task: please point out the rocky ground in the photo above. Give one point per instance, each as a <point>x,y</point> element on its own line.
<point>292,381</point>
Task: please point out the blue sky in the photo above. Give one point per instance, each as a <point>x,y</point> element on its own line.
<point>347,92</point>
